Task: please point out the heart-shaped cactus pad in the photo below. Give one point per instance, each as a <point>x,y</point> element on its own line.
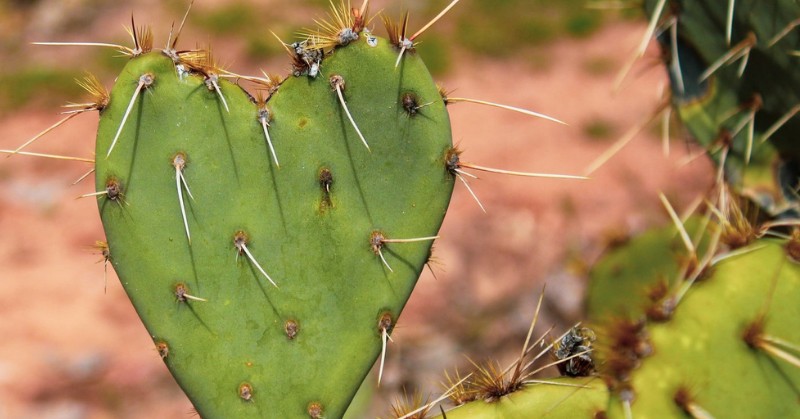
<point>270,241</point>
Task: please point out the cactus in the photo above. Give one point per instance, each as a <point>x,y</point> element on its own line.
<point>270,240</point>
<point>273,286</point>
<point>730,65</point>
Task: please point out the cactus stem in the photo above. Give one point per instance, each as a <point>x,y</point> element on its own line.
<point>737,52</point>
<point>337,82</point>
<point>240,242</point>
<point>84,176</point>
<point>179,162</point>
<point>47,156</point>
<point>182,294</point>
<point>145,80</point>
<point>449,100</point>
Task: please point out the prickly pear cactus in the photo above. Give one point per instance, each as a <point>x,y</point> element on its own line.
<point>270,245</point>
<point>733,71</point>
<point>728,335</point>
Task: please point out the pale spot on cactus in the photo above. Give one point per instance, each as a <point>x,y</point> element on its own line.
<point>246,392</point>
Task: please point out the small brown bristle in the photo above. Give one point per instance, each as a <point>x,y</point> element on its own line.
<point>98,93</point>
<point>395,31</point>
<point>490,383</point>
<point>683,398</point>
<point>142,38</point>
<point>793,246</point>
<point>627,343</point>
<point>658,291</point>
<point>404,406</point>
<point>452,160</point>
<point>444,93</point>
<point>753,332</point>
<point>460,391</point>
<point>662,310</point>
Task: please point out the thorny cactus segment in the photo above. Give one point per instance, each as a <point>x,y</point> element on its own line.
<point>193,163</point>
<point>566,397</point>
<point>730,349</point>
<point>630,278</point>
<point>732,65</point>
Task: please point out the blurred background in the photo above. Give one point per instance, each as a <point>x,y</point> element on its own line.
<point>72,346</point>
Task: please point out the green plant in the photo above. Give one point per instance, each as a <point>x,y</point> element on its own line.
<point>269,240</point>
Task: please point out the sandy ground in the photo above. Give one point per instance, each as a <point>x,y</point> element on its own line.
<point>73,349</point>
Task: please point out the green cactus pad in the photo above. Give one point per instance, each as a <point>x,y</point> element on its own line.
<point>583,397</point>
<point>716,109</point>
<point>705,359</point>
<point>626,278</point>
<point>303,347</point>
